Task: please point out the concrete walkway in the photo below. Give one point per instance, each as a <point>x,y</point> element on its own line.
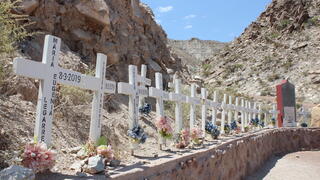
<point>304,165</point>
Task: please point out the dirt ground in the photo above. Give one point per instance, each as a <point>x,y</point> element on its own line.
<point>304,165</point>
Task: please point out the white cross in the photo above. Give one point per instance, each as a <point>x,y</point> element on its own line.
<point>159,94</point>
<point>274,113</point>
<point>193,101</point>
<point>205,104</point>
<point>250,112</point>
<point>223,114</point>
<point>236,109</point>
<point>134,91</point>
<point>214,106</point>
<point>230,110</point>
<point>246,115</point>
<point>178,98</point>
<point>243,109</point>
<point>50,74</point>
<point>144,82</point>
<point>259,115</point>
<point>254,110</point>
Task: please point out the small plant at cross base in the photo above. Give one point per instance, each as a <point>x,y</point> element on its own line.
<point>137,135</point>
<point>212,130</point>
<point>38,157</point>
<point>145,109</point>
<point>227,128</point>
<point>183,139</point>
<point>101,147</point>
<point>196,136</point>
<point>246,129</point>
<point>164,127</point>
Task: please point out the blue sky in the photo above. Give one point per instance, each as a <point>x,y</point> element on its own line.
<point>221,20</point>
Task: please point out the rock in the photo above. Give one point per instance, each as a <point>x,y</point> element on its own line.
<point>76,166</point>
<point>17,173</point>
<point>75,150</point>
<point>81,174</point>
<point>96,10</point>
<point>95,165</point>
<point>81,154</point>
<point>315,116</point>
<point>113,58</point>
<point>115,163</point>
<point>82,35</point>
<point>153,65</point>
<point>28,6</point>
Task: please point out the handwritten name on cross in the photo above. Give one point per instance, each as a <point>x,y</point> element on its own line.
<point>50,74</point>
<point>193,101</point>
<point>179,99</point>
<point>134,91</point>
<point>205,103</point>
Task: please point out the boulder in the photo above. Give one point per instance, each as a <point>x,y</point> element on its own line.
<point>315,116</point>
<point>28,6</point>
<point>95,165</point>
<point>15,172</point>
<point>96,10</point>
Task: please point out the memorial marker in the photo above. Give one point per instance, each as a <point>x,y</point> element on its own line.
<point>214,106</point>
<point>193,101</point>
<point>144,82</point>
<point>242,115</point>
<point>236,108</point>
<point>178,98</point>
<point>134,91</point>
<point>50,74</point>
<point>230,107</point>
<point>223,114</point>
<point>205,103</point>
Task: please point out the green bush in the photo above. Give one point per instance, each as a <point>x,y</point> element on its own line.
<point>11,29</point>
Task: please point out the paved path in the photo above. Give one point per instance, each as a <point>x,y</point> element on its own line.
<point>304,165</point>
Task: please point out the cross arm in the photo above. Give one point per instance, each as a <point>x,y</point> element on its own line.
<point>29,68</point>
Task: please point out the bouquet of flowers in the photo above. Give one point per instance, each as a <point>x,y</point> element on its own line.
<point>145,109</point>
<point>254,122</point>
<point>183,139</point>
<point>196,136</point>
<point>261,124</point>
<point>304,124</point>
<point>233,125</point>
<point>137,134</point>
<point>38,157</point>
<point>273,121</point>
<point>212,130</point>
<point>105,151</point>
<point>164,127</point>
<point>227,128</point>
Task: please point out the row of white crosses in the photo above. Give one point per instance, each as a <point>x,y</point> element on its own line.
<point>50,74</point>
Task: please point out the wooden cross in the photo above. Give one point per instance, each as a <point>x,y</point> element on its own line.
<point>243,109</point>
<point>193,101</point>
<point>205,104</point>
<point>50,74</point>
<point>236,109</point>
<point>214,106</point>
<point>143,75</point>
<point>134,91</point>
<point>223,114</point>
<point>230,110</point>
<point>178,98</point>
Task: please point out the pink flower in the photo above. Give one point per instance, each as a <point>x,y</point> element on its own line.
<point>105,151</point>
<point>163,124</point>
<point>38,157</point>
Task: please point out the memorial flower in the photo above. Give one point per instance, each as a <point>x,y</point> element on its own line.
<point>164,127</point>
<point>212,130</point>
<point>137,134</point>
<point>183,139</point>
<point>227,128</point>
<point>233,125</point>
<point>105,151</point>
<point>38,157</point>
<point>196,136</point>
<point>273,121</point>
<point>254,122</point>
<point>145,109</point>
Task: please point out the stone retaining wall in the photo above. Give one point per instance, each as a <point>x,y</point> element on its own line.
<point>231,160</point>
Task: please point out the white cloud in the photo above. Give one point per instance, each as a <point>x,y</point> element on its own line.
<point>165,9</point>
<point>188,27</point>
<point>190,16</point>
<point>158,21</point>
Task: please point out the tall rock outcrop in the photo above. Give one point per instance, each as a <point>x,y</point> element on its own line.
<point>124,30</point>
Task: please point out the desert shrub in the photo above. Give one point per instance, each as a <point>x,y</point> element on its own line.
<point>12,30</point>
<point>273,77</point>
<point>206,69</point>
<point>74,96</point>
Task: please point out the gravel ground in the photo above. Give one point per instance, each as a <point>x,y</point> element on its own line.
<point>304,165</point>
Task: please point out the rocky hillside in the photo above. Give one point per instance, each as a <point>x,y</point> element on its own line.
<point>194,51</point>
<point>282,43</point>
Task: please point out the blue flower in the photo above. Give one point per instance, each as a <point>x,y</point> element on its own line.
<point>212,129</point>
<point>146,109</point>
<point>137,134</point>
